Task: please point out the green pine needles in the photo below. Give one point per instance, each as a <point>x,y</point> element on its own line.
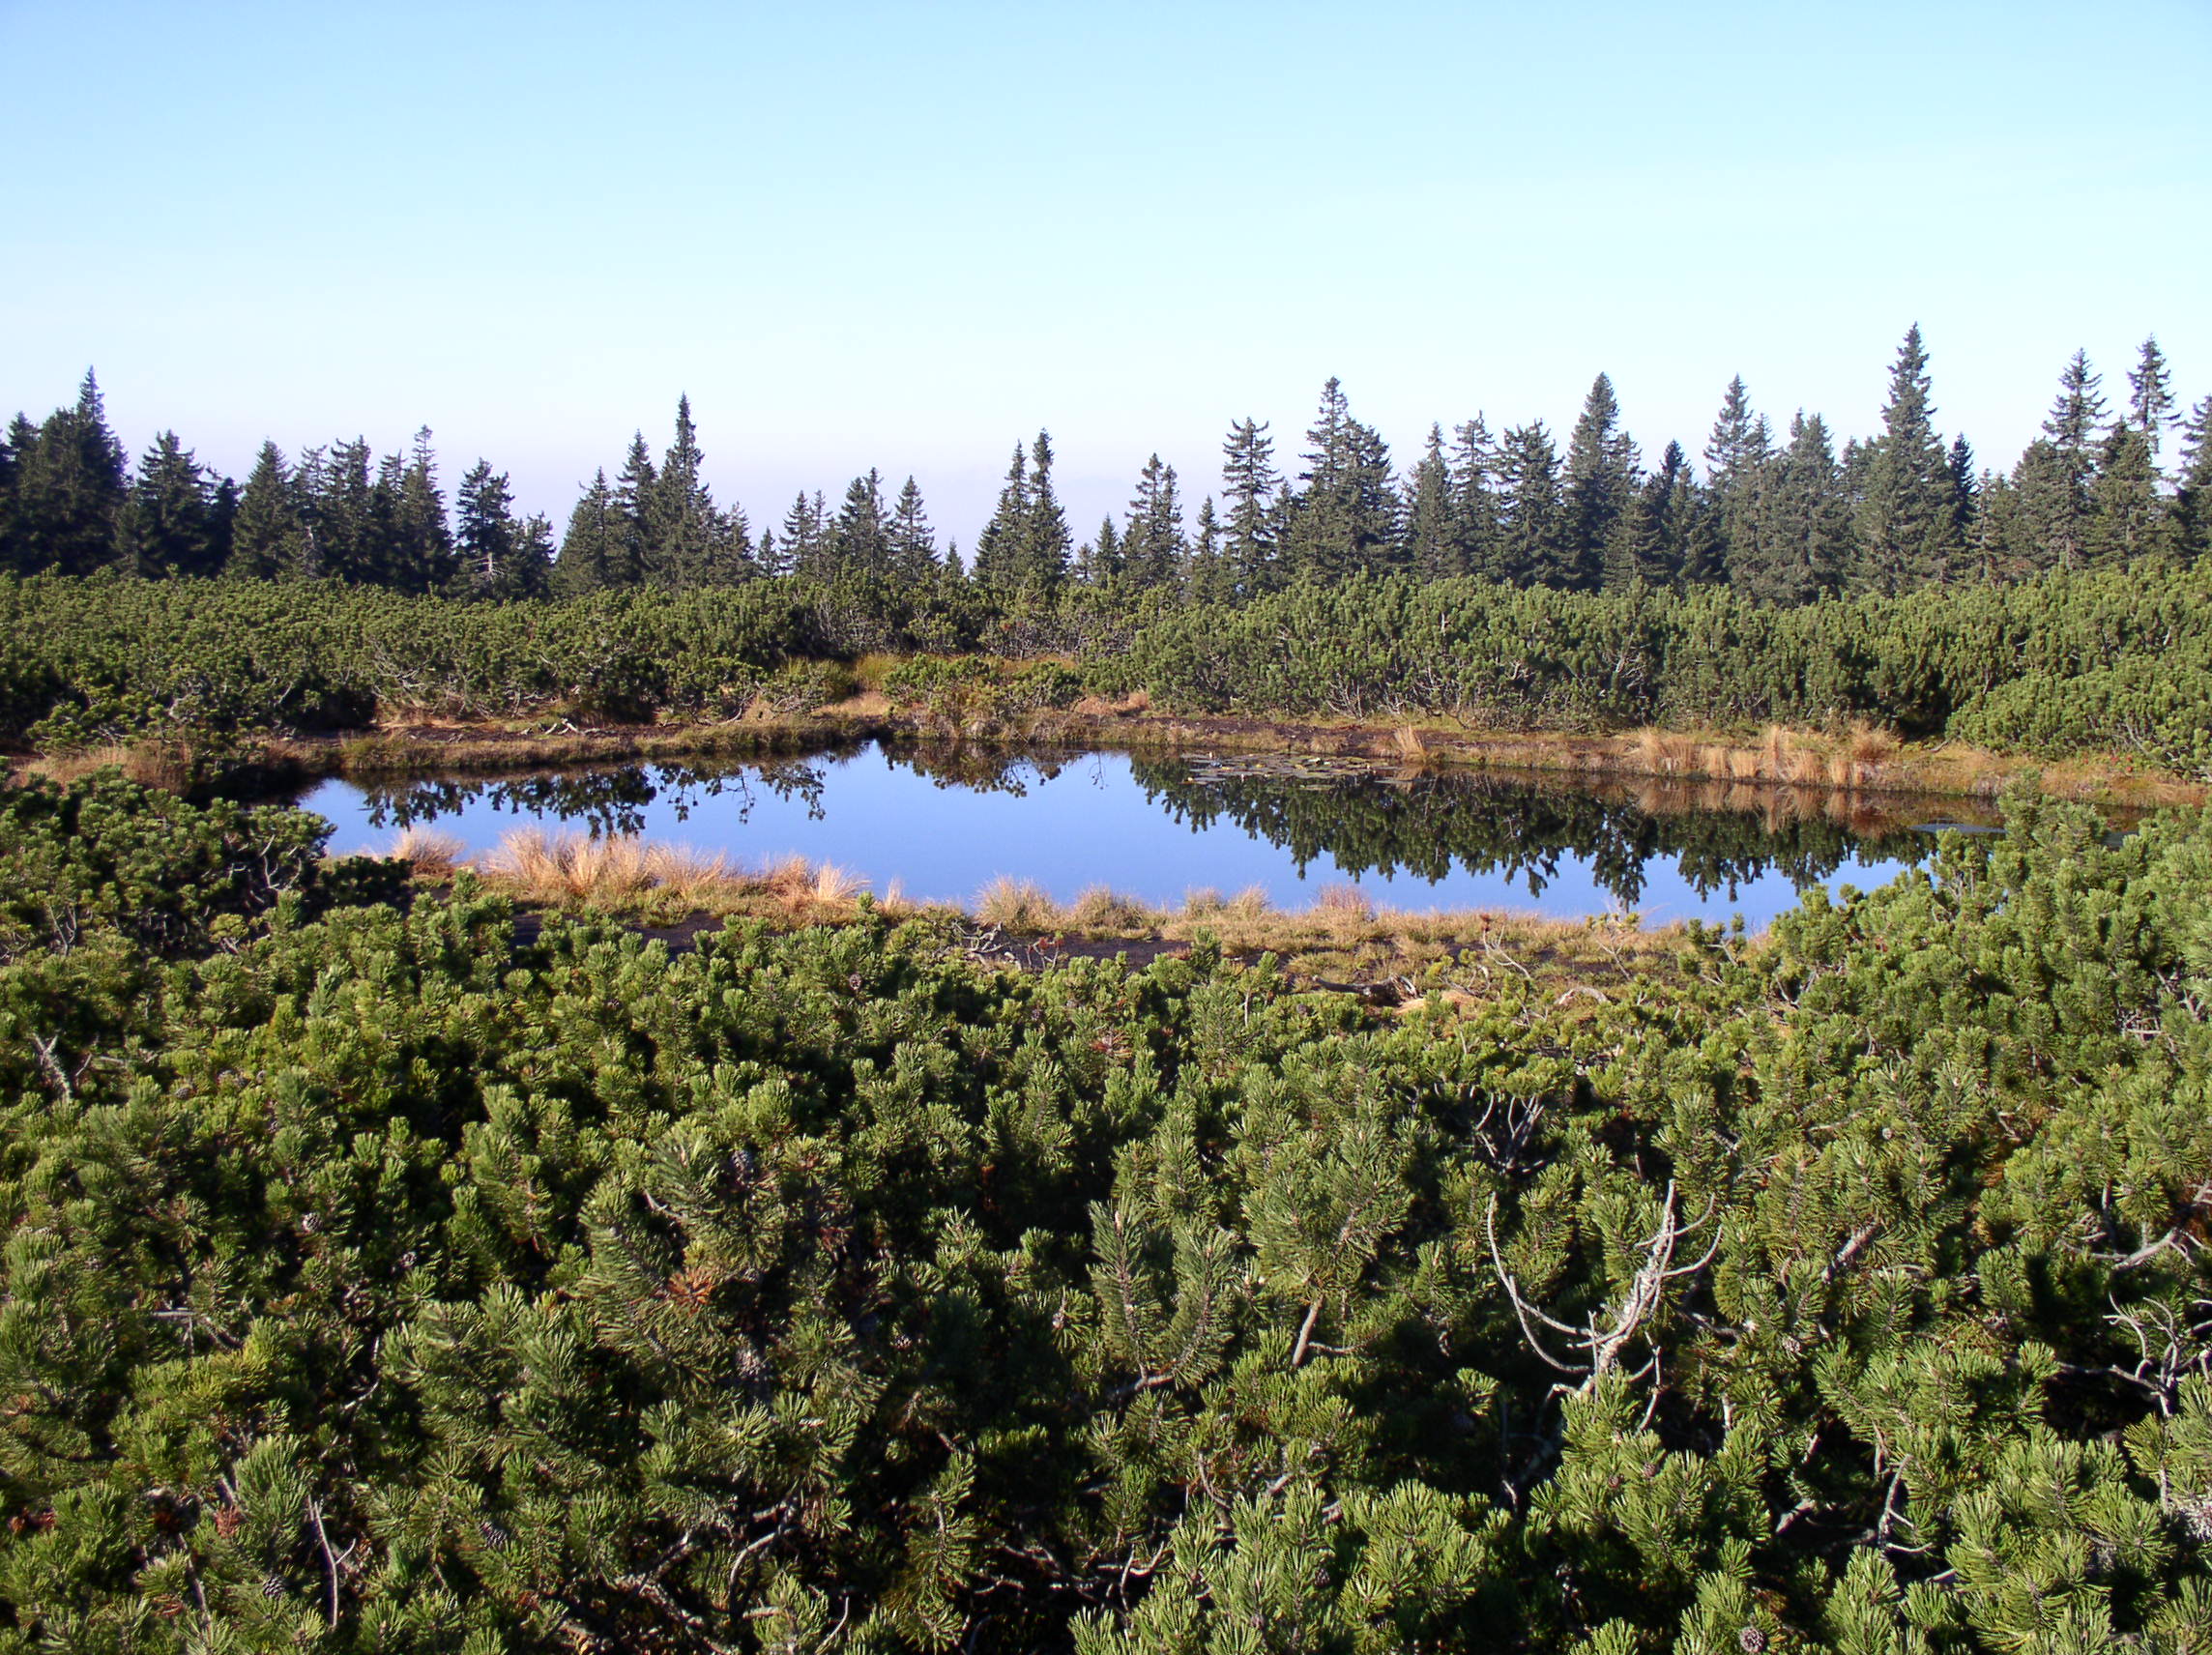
<point>373,1281</point>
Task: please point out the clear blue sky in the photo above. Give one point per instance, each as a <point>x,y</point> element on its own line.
<point>905,236</point>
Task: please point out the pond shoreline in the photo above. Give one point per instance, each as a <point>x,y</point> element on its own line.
<point>1857,764</point>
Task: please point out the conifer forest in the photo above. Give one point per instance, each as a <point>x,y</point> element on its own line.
<point>393,1262</point>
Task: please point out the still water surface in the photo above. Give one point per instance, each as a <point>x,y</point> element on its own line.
<point>944,824</point>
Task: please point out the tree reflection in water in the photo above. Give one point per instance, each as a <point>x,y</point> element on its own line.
<point>1427,825</point>
<point>1371,821</point>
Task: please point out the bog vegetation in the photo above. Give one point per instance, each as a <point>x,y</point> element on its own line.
<point>375,1280</point>
<point>2054,607</point>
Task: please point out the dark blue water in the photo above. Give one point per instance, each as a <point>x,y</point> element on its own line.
<point>941,826</point>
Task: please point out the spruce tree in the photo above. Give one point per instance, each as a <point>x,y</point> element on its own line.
<point>1533,547</point>
<point>1432,547</point>
<point>22,436</point>
<point>1909,515</point>
<point>419,554</point>
<point>806,549</point>
<point>1045,541</point>
<point>1098,559</point>
<point>1659,537</point>
<point>268,538</point>
<point>690,543</point>
<point>70,488</point>
<point>1250,486</point>
<point>1475,468</point>
<point>1153,546</point>
<point>2193,493</point>
<point>913,541</point>
<point>166,526</point>
<point>2150,396</point>
<point>1966,486</point>
<point>1603,469</point>
<point>341,507</point>
<point>2046,524</point>
<point>2127,519</point>
<point>1001,547</point>
<point>1208,576</point>
<point>501,557</point>
<point>1344,518</point>
<point>637,492</point>
<point>1736,457</point>
<point>860,539</point>
<point>1804,522</point>
<point>592,550</point>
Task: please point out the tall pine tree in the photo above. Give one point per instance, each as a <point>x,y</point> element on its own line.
<point>1250,486</point>
<point>1153,544</point>
<point>70,480</point>
<point>592,550</point>
<point>167,524</point>
<point>1909,513</point>
<point>1603,469</point>
<point>1344,518</point>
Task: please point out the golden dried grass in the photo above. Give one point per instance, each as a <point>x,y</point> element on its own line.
<point>1100,908</point>
<point>1347,901</point>
<point>1663,753</point>
<point>835,884</point>
<point>430,854</point>
<point>1017,904</point>
<point>164,765</point>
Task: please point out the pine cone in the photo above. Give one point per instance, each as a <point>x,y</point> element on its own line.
<point>272,1587</point>
<point>1751,1640</point>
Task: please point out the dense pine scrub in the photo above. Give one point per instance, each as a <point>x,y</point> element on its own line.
<point>2113,662</point>
<point>375,1281</point>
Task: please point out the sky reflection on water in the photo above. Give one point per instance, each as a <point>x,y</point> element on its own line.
<point>944,825</point>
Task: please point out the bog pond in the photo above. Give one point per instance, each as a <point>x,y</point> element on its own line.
<point>940,824</point>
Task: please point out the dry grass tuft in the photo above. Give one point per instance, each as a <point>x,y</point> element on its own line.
<point>569,867</point>
<point>428,853</point>
<point>1099,909</point>
<point>1409,744</point>
<point>165,765</point>
<point>1348,901</point>
<point>1870,746</point>
<point>1017,904</point>
<point>836,885</point>
<point>1665,754</point>
<point>1251,903</point>
<point>1201,900</point>
<point>618,873</point>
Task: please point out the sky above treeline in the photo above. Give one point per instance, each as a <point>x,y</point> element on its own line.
<point>908,235</point>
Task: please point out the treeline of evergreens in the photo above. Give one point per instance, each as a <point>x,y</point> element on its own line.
<point>2106,660</point>
<point>1778,516</point>
<point>373,1282</point>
